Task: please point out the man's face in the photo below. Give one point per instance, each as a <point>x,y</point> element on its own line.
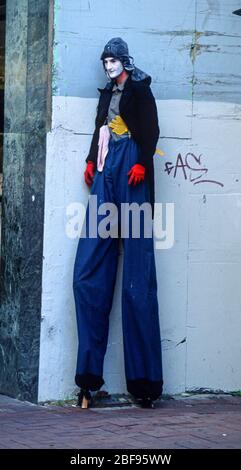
<point>113,66</point>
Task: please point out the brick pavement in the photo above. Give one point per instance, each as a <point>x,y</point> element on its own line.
<point>196,422</point>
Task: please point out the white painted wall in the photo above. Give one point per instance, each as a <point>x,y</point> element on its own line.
<point>198,279</point>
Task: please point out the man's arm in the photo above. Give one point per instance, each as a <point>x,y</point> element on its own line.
<point>147,123</point>
<point>93,152</point>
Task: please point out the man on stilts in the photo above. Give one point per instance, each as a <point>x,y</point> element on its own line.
<point>120,171</point>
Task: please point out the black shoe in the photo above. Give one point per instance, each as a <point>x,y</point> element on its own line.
<point>147,403</point>
<point>84,398</point>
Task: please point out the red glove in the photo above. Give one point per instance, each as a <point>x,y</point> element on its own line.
<point>137,174</point>
<point>89,173</point>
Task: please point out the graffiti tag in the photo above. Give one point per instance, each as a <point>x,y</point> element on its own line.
<point>192,169</point>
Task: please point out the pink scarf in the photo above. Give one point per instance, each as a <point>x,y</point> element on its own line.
<point>104,137</point>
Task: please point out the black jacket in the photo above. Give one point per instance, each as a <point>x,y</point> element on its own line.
<point>138,110</point>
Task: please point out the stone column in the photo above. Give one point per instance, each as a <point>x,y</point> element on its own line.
<point>27,112</point>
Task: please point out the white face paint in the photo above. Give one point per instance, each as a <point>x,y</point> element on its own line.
<point>113,67</point>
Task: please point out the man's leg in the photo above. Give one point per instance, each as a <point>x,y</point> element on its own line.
<point>141,329</point>
<point>94,279</point>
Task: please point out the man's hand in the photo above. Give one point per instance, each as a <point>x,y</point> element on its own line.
<point>89,173</point>
<point>136,173</point>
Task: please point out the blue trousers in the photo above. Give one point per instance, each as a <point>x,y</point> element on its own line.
<point>94,279</point>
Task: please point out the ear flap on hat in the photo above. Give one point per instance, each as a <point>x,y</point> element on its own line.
<point>128,64</point>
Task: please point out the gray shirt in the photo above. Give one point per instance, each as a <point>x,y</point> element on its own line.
<point>114,109</point>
